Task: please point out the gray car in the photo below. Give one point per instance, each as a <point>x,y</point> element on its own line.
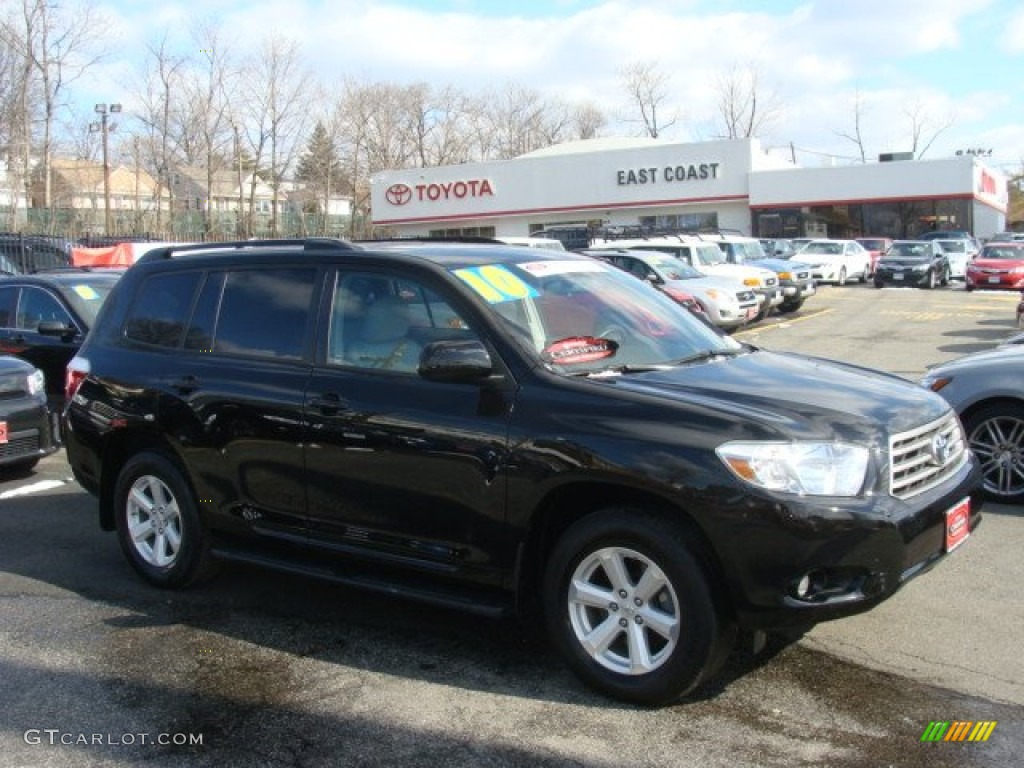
<point>987,390</point>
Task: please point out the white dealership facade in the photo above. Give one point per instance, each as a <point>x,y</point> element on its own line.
<point>654,184</point>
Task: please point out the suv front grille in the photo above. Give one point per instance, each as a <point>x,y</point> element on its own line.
<point>922,458</point>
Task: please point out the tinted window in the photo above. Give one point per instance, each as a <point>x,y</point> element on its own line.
<point>265,312</point>
<point>37,306</point>
<point>161,309</point>
<point>8,295</point>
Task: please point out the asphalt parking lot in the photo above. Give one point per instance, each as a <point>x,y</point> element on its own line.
<point>97,669</point>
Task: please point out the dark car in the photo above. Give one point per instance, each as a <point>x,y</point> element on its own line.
<point>44,317</point>
<point>505,431</point>
<point>28,428</point>
<point>918,263</point>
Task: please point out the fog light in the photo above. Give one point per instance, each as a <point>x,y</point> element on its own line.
<point>810,584</point>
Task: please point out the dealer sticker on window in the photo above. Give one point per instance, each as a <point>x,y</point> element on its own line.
<point>958,525</point>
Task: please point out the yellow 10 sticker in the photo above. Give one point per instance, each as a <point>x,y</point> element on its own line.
<point>496,283</point>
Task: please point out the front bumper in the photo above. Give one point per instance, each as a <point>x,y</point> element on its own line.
<point>1003,281</point>
<point>770,297</point>
<point>902,277</point>
<point>30,431</point>
<point>860,550</point>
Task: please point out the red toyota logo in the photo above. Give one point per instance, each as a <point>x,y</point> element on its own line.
<point>398,194</point>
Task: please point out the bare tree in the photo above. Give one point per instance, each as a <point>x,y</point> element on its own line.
<point>277,97</point>
<point>55,45</point>
<point>587,121</point>
<point>745,112</point>
<point>160,81</point>
<point>647,88</point>
<point>857,136</point>
<point>924,128</point>
<point>204,127</point>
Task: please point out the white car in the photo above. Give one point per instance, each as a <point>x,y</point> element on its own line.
<point>959,253</point>
<point>708,259</point>
<point>726,302</point>
<point>836,261</point>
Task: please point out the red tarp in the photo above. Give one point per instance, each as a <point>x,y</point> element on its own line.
<point>120,255</point>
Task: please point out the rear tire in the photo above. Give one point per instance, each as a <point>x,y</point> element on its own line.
<point>158,523</point>
<point>631,607</point>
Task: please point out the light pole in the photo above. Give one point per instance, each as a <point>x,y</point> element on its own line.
<point>103,127</point>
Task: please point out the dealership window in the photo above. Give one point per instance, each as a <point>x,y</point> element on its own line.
<point>463,232</point>
<point>680,221</point>
<point>901,219</point>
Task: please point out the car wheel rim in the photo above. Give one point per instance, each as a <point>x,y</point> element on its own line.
<point>154,521</point>
<point>624,611</point>
<point>999,445</point>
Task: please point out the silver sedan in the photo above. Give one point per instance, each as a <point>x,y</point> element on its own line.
<point>987,390</point>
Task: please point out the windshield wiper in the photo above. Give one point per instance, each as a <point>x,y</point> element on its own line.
<point>708,354</point>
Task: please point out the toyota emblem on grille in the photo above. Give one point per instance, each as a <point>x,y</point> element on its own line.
<point>398,194</point>
<point>940,450</point>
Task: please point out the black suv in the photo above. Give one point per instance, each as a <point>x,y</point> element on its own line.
<point>45,316</point>
<point>499,429</point>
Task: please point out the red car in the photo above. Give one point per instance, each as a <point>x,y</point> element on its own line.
<point>999,266</point>
<point>877,247</point>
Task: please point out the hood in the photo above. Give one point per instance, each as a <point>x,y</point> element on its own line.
<point>1010,355</point>
<point>728,284</point>
<point>793,396</point>
<point>1001,264</point>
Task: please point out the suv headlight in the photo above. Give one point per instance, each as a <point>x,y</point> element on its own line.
<point>811,468</point>
<point>36,382</point>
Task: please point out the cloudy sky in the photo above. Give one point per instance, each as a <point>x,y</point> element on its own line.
<point>952,62</point>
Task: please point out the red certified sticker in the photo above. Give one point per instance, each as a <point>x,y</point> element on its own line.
<point>958,524</point>
<point>3,432</point>
<point>579,349</point>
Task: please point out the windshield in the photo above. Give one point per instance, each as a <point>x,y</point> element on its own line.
<point>1003,252</point>
<point>87,297</point>
<point>710,255</point>
<point>584,316</point>
<point>674,269</point>
<point>830,249</point>
<point>915,251</point>
<point>953,246</point>
<point>747,251</point>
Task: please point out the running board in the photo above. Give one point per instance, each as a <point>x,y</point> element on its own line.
<point>469,600</point>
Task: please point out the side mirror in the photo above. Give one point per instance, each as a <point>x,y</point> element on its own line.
<point>57,328</point>
<point>455,361</point>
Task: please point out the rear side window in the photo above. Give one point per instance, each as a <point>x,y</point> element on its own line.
<point>159,314</point>
<point>265,313</point>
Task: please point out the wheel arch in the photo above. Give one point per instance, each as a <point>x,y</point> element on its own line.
<point>977,405</point>
<point>570,503</point>
<point>117,451</point>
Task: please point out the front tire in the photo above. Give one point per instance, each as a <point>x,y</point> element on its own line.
<point>630,606</point>
<point>158,523</point>
<point>995,433</point>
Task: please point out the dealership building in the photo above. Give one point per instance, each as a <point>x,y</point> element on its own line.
<point>729,185</point>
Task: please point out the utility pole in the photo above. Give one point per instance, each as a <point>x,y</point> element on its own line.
<point>104,128</point>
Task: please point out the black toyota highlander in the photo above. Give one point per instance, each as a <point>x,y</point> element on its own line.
<point>505,431</point>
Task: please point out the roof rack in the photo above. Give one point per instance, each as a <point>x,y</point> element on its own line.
<point>641,232</point>
<point>309,244</point>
